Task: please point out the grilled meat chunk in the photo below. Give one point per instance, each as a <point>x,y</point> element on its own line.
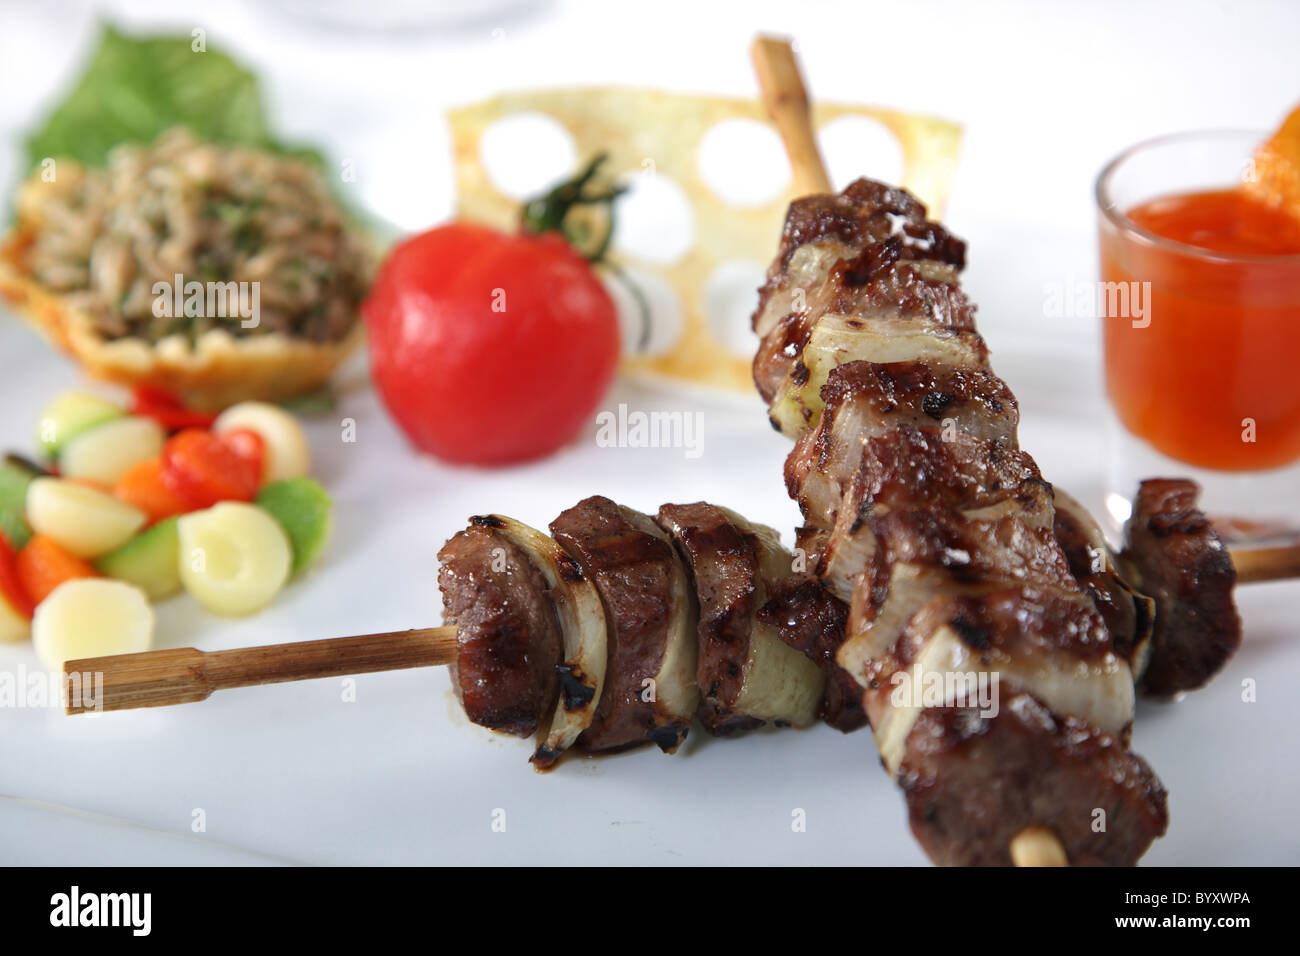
<point>976,642</point>
<point>583,632</point>
<point>507,636</point>
<point>811,620</point>
<point>724,568</point>
<point>979,477</point>
<point>869,253</point>
<point>976,480</point>
<point>1175,556</point>
<point>865,400</point>
<point>747,676</point>
<point>650,693</point>
<point>970,550</point>
<point>865,213</point>
<point>973,782</point>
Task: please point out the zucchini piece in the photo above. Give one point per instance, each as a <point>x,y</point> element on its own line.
<point>15,475</point>
<point>150,561</point>
<point>69,415</point>
<point>305,512</point>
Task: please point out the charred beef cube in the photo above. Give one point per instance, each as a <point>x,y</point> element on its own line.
<point>650,694</point>
<point>507,636</point>
<point>1178,560</point>
<point>973,782</point>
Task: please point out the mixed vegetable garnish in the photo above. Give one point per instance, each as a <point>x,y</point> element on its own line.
<point>134,505</point>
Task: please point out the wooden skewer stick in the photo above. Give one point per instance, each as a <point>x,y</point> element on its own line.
<point>786,100</point>
<point>1037,846</point>
<point>1266,564</point>
<point>184,675</point>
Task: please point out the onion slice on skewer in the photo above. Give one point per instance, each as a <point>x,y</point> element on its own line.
<point>837,339</point>
<point>676,694</point>
<point>583,626</point>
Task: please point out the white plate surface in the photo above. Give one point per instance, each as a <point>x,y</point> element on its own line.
<point>292,773</point>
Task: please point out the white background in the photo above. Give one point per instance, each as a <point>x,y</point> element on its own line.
<point>1047,92</point>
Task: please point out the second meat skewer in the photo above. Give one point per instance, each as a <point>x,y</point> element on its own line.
<point>620,633</point>
<point>656,623</point>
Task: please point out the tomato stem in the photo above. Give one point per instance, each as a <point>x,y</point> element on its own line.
<point>551,213</point>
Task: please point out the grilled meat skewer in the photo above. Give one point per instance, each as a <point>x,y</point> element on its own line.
<point>955,556</point>
<point>680,610</point>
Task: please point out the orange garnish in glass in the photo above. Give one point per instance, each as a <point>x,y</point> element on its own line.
<point>1276,173</point>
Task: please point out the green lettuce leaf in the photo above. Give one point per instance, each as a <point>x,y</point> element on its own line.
<point>136,87</point>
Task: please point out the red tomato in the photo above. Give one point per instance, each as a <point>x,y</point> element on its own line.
<point>490,348</point>
<point>202,468</point>
<point>166,409</point>
<point>11,585</point>
<point>248,445</point>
